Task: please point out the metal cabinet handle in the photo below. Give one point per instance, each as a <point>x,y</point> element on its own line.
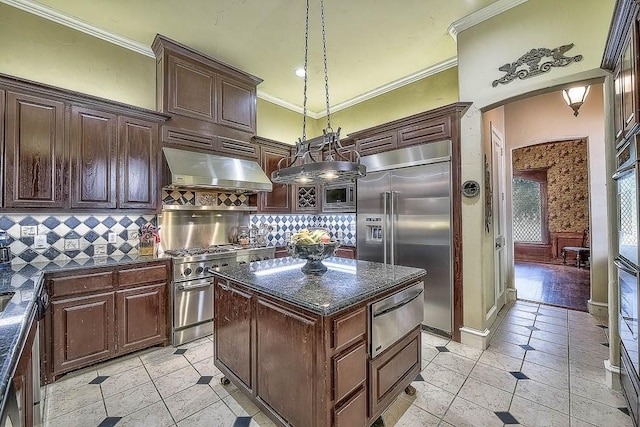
<point>622,267</point>
<point>198,285</point>
<point>224,285</point>
<point>400,304</point>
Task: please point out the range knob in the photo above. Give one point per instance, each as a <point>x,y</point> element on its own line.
<point>187,271</point>
<point>225,264</point>
<point>215,266</point>
<point>242,262</point>
<point>265,258</point>
<point>199,270</point>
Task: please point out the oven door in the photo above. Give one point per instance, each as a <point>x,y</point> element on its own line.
<point>628,309</point>
<point>193,302</point>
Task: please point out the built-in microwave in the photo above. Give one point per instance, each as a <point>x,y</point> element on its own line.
<point>339,198</point>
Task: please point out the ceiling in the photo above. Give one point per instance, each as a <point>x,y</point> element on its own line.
<point>370,43</point>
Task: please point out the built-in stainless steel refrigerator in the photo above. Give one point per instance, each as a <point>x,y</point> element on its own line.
<point>404,218</point>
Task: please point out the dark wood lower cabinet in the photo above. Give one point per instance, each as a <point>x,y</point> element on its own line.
<point>100,313</point>
<point>83,331</point>
<point>232,312</point>
<point>304,369</point>
<point>630,384</point>
<point>142,318</point>
<point>23,378</point>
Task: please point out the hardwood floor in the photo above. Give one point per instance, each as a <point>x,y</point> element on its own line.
<point>559,285</point>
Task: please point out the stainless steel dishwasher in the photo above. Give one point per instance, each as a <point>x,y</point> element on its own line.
<point>395,316</point>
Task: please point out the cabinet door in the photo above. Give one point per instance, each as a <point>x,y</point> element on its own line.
<point>142,317</point>
<point>377,143</point>
<point>93,158</point>
<point>23,378</point>
<point>138,172</point>
<point>236,104</point>
<point>427,131</point>
<point>286,354</point>
<point>617,103</point>
<point>237,149</point>
<point>83,331</point>
<point>191,90</point>
<point>629,82</point>
<point>232,317</point>
<point>279,199</point>
<point>2,166</point>
<point>34,152</point>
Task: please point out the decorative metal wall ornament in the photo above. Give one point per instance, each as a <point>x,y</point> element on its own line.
<point>532,60</point>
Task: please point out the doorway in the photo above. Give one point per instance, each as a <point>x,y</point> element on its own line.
<point>550,214</point>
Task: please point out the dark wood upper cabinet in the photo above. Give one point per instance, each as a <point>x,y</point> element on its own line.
<point>138,149</point>
<point>279,199</point>
<point>236,104</point>
<point>93,158</point>
<point>191,89</point>
<point>34,152</point>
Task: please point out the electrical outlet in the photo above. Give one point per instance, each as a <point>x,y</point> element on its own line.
<point>40,241</point>
<point>71,244</point>
<point>112,237</point>
<point>28,230</point>
<point>99,250</point>
<point>132,235</point>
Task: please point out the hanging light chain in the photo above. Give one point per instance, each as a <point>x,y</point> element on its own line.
<point>326,74</point>
<point>306,56</point>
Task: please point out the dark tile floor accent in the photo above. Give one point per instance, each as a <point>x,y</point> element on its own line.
<point>419,378</point>
<point>532,328</point>
<point>442,349</point>
<point>526,347</point>
<point>109,422</point>
<point>559,285</point>
<point>242,422</point>
<point>180,351</point>
<point>98,380</point>
<point>205,379</point>
<point>507,418</point>
<point>606,344</point>
<point>519,375</point>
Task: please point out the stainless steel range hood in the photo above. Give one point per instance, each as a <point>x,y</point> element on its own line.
<point>190,169</point>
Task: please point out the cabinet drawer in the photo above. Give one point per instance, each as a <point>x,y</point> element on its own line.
<point>353,412</point>
<point>72,285</point>
<point>142,275</point>
<point>349,371</point>
<point>349,328</point>
<point>432,130</point>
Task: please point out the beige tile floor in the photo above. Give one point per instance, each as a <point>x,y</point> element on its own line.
<point>458,386</point>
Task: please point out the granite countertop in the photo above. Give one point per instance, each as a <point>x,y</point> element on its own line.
<point>346,282</point>
<point>26,282</point>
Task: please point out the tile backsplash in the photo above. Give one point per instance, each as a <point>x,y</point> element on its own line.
<point>61,237</point>
<point>340,225</point>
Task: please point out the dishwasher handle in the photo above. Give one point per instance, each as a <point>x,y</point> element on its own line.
<point>400,304</point>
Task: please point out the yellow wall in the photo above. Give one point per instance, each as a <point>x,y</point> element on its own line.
<point>279,123</point>
<point>37,49</point>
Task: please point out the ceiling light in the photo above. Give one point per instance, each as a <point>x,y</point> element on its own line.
<point>575,97</point>
<point>307,165</point>
<point>300,72</point>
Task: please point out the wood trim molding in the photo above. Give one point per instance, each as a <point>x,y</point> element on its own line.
<point>482,15</point>
<point>624,12</point>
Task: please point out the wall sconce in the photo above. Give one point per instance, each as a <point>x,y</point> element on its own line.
<point>575,97</point>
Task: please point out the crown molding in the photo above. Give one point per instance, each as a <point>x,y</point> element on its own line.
<point>482,15</point>
<point>79,25</point>
<point>435,69</point>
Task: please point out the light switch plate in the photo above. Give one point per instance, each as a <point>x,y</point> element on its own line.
<point>132,235</point>
<point>28,230</point>
<point>99,250</point>
<point>71,244</point>
<point>112,237</point>
<point>40,241</point>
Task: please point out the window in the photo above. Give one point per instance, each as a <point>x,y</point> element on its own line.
<point>529,190</point>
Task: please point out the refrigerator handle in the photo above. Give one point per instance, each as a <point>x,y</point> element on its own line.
<point>392,258</point>
<point>385,203</point>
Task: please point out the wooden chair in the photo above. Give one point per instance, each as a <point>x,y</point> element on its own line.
<point>582,252</point>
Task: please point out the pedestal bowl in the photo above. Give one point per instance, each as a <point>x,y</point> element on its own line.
<point>314,253</point>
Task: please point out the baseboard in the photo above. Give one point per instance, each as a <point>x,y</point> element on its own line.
<point>474,337</point>
<point>612,374</point>
<point>600,309</point>
<point>512,294</point>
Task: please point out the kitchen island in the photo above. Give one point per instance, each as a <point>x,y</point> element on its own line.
<point>300,346</point>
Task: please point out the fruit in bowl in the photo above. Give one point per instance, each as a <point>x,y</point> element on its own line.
<point>314,246</point>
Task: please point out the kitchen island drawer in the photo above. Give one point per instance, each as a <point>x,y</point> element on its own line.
<point>349,371</point>
<point>353,412</point>
<point>349,328</point>
<point>81,283</point>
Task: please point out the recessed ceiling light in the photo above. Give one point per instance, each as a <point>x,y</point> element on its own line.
<point>299,72</point>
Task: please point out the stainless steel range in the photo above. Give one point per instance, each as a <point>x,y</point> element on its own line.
<point>193,285</point>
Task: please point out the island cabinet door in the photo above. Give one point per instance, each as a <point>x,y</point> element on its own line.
<point>142,318</point>
<point>232,317</point>
<point>286,354</point>
<point>83,331</point>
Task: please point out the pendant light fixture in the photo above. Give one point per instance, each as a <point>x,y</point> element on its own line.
<point>321,160</point>
<point>575,97</point>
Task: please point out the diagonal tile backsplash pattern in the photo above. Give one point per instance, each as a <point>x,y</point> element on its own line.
<point>72,236</point>
<point>342,226</point>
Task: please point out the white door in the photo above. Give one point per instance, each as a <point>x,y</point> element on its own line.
<point>499,209</point>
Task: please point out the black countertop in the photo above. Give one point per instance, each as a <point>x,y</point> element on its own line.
<point>345,283</point>
<point>25,281</point>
